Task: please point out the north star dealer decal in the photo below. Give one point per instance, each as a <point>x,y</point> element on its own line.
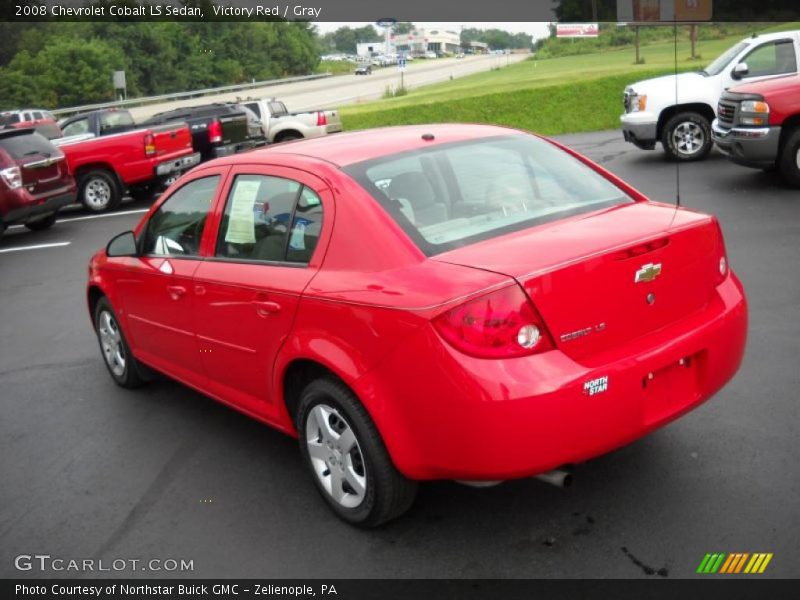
<point>596,386</point>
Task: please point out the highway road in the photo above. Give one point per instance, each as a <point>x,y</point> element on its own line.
<point>348,89</point>
<point>90,470</point>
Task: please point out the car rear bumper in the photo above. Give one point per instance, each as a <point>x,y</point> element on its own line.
<point>231,149</point>
<point>32,208</point>
<point>444,415</point>
<point>640,129</point>
<point>755,147</point>
<point>177,165</point>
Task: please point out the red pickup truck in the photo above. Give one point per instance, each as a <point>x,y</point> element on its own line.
<point>758,125</point>
<point>137,160</point>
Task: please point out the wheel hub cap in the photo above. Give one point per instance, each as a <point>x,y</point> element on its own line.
<point>336,456</point>
<point>111,343</point>
<point>688,137</point>
<point>97,193</point>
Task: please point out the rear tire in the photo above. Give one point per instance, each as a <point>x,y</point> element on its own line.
<point>42,224</point>
<point>789,161</point>
<point>99,191</point>
<point>289,137</point>
<point>119,360</point>
<point>687,137</point>
<point>347,458</point>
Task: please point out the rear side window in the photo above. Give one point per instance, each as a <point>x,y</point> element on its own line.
<point>28,144</point>
<point>456,194</point>
<point>37,115</point>
<point>269,219</point>
<point>76,127</point>
<point>254,107</point>
<point>10,119</point>
<point>176,228</point>
<point>115,120</point>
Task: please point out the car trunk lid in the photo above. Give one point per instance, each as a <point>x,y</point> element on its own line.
<point>605,278</point>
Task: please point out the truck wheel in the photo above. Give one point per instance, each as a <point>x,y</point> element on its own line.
<point>99,191</point>
<point>42,224</point>
<point>687,137</point>
<point>289,137</point>
<point>789,160</point>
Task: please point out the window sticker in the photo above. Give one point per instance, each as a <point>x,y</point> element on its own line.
<point>241,223</point>
<point>297,241</point>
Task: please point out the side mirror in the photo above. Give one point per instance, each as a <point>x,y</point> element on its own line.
<point>740,70</point>
<point>123,244</point>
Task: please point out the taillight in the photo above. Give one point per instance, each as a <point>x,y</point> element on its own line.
<point>500,324</point>
<point>322,119</point>
<point>12,176</point>
<point>722,268</point>
<point>215,132</point>
<point>149,144</point>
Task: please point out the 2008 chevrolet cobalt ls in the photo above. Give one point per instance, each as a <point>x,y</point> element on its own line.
<point>442,302</point>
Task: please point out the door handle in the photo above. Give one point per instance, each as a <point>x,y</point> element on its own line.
<point>266,307</point>
<point>176,291</point>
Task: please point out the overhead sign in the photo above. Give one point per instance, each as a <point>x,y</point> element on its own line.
<point>577,30</point>
<point>650,11</point>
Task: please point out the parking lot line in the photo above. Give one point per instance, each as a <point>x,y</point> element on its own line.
<point>36,247</point>
<point>86,217</point>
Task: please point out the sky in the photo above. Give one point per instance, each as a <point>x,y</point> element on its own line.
<point>537,30</point>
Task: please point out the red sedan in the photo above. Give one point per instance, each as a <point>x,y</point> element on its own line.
<point>439,302</point>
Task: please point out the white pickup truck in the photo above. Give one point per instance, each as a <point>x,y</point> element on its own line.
<point>281,126</point>
<point>678,110</point>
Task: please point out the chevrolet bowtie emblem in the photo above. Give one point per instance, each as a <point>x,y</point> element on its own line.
<point>648,273</point>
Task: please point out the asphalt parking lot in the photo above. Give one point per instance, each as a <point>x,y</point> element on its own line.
<point>91,470</point>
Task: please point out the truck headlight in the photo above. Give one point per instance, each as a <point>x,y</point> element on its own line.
<point>754,112</point>
<point>635,102</point>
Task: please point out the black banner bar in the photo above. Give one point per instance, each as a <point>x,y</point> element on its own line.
<point>730,588</point>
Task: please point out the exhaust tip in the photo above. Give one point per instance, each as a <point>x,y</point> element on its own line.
<point>556,477</point>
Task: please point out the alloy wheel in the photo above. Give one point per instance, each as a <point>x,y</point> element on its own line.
<point>111,343</point>
<point>688,138</point>
<point>336,456</point>
<point>97,194</point>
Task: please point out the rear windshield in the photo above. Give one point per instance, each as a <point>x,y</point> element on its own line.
<point>9,119</point>
<point>457,194</point>
<point>28,144</point>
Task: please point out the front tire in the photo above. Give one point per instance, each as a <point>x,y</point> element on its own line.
<point>119,359</point>
<point>789,161</point>
<point>99,191</point>
<point>687,137</point>
<point>347,458</point>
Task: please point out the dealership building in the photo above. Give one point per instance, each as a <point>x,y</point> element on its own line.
<point>420,41</point>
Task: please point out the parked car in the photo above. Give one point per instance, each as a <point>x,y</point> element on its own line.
<point>41,120</point>
<point>430,55</point>
<point>683,126</point>
<point>34,180</point>
<point>363,70</point>
<point>460,55</point>
<point>256,129</point>
<point>140,160</point>
<point>758,125</point>
<point>217,129</point>
<point>283,126</point>
<point>429,302</point>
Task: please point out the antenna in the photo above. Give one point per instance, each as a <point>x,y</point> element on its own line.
<point>675,58</point>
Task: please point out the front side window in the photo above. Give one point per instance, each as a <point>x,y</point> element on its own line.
<point>460,193</point>
<point>176,228</point>
<point>269,219</point>
<point>716,67</point>
<point>771,59</point>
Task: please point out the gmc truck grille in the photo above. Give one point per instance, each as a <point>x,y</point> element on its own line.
<point>726,111</point>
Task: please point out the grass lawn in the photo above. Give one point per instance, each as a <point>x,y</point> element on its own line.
<point>552,96</point>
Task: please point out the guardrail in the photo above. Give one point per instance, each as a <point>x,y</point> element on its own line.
<point>191,94</point>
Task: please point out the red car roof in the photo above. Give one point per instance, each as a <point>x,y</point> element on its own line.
<point>344,149</point>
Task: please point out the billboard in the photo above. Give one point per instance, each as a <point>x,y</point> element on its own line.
<point>577,30</point>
